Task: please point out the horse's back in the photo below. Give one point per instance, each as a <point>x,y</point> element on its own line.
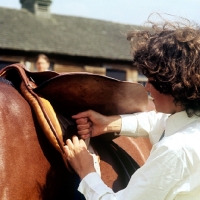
<point>138,148</point>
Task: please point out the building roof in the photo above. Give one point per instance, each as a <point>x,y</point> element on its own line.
<point>63,35</point>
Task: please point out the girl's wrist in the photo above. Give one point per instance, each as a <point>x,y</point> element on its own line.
<point>114,125</point>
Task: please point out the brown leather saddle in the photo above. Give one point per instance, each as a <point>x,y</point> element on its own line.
<point>51,95</point>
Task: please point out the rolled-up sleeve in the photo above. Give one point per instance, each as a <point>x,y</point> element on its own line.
<point>131,126</point>
<point>142,124</point>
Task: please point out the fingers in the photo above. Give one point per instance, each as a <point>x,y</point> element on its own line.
<point>78,156</point>
<point>83,123</point>
<point>85,114</point>
<point>70,144</point>
<point>76,142</point>
<point>74,146</point>
<point>85,133</point>
<point>84,127</point>
<point>87,123</point>
<point>82,120</point>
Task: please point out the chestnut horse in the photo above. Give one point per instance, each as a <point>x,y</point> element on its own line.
<point>31,168</point>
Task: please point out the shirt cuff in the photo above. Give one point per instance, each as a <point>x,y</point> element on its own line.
<point>92,187</point>
<point>129,125</point>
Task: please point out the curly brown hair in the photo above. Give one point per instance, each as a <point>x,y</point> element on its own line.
<point>170,55</point>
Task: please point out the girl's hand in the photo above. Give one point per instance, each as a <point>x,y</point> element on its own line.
<point>91,124</point>
<point>79,157</point>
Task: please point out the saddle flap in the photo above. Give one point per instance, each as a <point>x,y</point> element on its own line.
<point>71,93</point>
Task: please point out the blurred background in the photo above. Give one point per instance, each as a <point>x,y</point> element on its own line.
<point>80,35</point>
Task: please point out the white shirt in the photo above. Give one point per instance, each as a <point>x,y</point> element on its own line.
<point>172,171</point>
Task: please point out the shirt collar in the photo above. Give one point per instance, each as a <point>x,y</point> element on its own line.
<point>177,121</point>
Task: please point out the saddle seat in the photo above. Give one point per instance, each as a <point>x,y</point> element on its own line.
<point>55,96</point>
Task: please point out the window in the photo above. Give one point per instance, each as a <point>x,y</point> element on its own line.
<point>117,74</point>
<point>141,79</point>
